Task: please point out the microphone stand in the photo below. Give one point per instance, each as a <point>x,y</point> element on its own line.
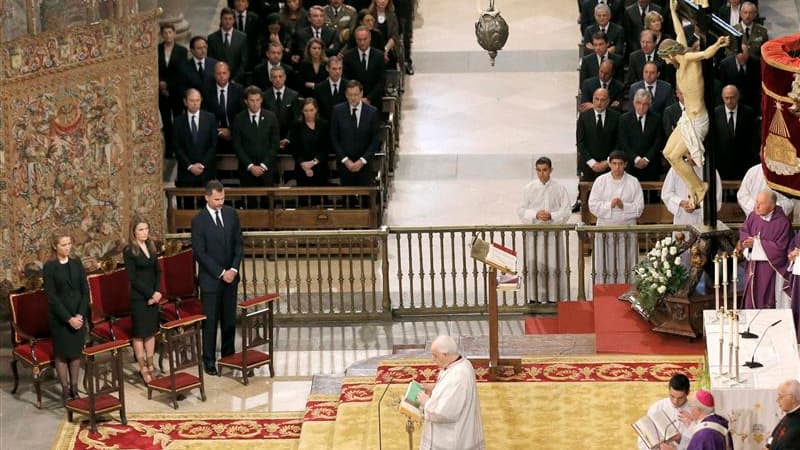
<point>380,400</point>
<point>753,364</point>
<point>747,334</point>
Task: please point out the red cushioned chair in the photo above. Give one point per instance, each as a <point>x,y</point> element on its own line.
<point>178,286</point>
<point>109,295</point>
<point>181,340</point>
<point>256,332</point>
<point>103,378</point>
<point>30,335</point>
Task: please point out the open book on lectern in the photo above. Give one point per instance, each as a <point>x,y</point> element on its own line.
<point>409,404</point>
<point>495,255</point>
<point>653,430</point>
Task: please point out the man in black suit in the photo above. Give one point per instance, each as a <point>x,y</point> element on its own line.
<point>194,138</point>
<point>605,80</point>
<point>672,114</point>
<point>249,23</point>
<point>730,12</point>
<point>633,22</point>
<point>661,92</point>
<point>261,7</point>
<point>590,64</point>
<point>603,24</point>
<point>743,71</point>
<point>218,249</point>
<point>366,65</point>
<point>641,137</point>
<point>331,91</point>
<point>169,95</point>
<point>283,102</point>
<point>255,141</point>
<point>224,99</point>
<point>316,29</point>
<point>737,136</point>
<point>229,45</point>
<point>355,127</point>
<point>198,71</point>
<point>588,17</point>
<point>263,71</point>
<point>596,136</point>
<point>647,53</point>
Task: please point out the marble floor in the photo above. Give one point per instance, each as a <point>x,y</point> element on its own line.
<point>470,135</point>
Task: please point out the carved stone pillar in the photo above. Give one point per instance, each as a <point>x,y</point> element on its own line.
<point>173,13</point>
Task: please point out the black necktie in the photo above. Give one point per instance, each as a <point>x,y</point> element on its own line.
<point>335,89</point>
<point>227,39</point>
<point>218,220</point>
<point>731,125</point>
<point>650,89</point>
<point>222,107</point>
<point>200,69</point>
<point>644,13</point>
<point>747,34</point>
<point>603,30</point>
<point>240,22</point>
<point>741,69</point>
<point>649,58</point>
<point>641,121</point>
<point>194,128</point>
<point>364,61</point>
<point>316,33</point>
<point>353,115</point>
<point>253,120</point>
<point>599,123</point>
<point>278,99</point>
<point>604,85</point>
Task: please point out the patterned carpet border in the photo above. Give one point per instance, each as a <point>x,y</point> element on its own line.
<point>157,431</point>
<point>321,408</point>
<point>595,368</point>
<point>356,390</point>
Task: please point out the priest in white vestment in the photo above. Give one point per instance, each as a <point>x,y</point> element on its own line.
<point>451,410</point>
<point>676,409</point>
<point>753,183</point>
<point>545,202</point>
<point>616,199</point>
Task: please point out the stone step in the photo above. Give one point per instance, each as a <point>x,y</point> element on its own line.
<point>422,166</point>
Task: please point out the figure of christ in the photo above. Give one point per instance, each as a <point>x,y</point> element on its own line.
<point>688,135</point>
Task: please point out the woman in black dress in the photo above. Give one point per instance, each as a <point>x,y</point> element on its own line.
<point>310,144</point>
<point>144,272</point>
<point>68,301</point>
<point>387,23</point>
<point>312,69</point>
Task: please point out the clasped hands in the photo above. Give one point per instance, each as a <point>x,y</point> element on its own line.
<point>76,321</point>
<point>307,167</point>
<point>229,276</point>
<point>353,166</point>
<point>155,298</point>
<point>616,202</point>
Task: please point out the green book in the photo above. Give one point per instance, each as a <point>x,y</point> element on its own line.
<point>409,405</point>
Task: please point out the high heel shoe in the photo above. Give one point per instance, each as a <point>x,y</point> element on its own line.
<point>65,395</point>
<point>151,367</point>
<point>73,392</point>
<point>144,372</point>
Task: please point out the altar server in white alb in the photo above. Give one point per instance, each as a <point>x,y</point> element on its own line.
<point>451,410</point>
<point>616,199</point>
<point>676,409</point>
<point>675,195</point>
<point>545,202</point>
<point>753,183</point>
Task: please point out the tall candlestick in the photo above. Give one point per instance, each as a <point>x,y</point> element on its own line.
<point>721,341</point>
<point>716,282</point>
<point>735,287</point>
<point>730,345</point>
<point>724,283</point>
<point>738,337</point>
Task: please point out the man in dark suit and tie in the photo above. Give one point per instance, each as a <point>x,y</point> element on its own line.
<point>603,24</point>
<point>170,58</point>
<point>588,16</point>
<point>616,91</point>
<point>633,21</point>
<point>198,71</point>
<point>737,138</point>
<point>355,136</point>
<point>316,29</point>
<point>249,23</point>
<point>641,137</point>
<point>743,71</point>
<point>590,64</point>
<point>224,99</point>
<point>255,141</point>
<point>597,131</point>
<point>331,91</point>
<point>218,249</point>
<point>366,65</point>
<point>263,71</point>
<point>229,45</point>
<point>753,33</point>
<point>672,114</point>
<point>283,102</point>
<point>647,53</point>
<point>660,91</point>
<point>194,138</point>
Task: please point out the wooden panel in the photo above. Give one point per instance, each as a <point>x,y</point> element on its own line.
<point>324,218</point>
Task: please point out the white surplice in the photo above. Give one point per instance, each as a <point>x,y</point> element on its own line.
<point>662,407</point>
<point>674,190</point>
<point>453,412</point>
<point>545,254</point>
<point>615,254</point>
<point>753,183</point>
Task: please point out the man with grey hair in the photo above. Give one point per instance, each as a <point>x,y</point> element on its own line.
<point>641,137</point>
<point>709,430</point>
<point>451,409</point>
<point>786,435</point>
<point>764,238</point>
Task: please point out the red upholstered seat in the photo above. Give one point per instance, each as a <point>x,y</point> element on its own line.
<point>122,329</point>
<point>30,329</point>
<point>253,358</point>
<point>179,287</point>
<point>109,294</point>
<point>186,307</point>
<point>103,403</point>
<point>183,381</point>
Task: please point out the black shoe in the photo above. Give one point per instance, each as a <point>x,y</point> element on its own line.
<point>577,206</point>
<point>211,370</point>
<point>409,69</point>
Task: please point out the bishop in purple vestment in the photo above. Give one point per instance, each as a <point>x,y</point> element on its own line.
<point>709,431</point>
<point>768,225</point>
<point>794,284</point>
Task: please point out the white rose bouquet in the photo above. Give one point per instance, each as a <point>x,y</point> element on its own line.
<point>659,274</point>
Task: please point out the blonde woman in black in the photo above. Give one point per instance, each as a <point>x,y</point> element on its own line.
<point>144,272</point>
<point>68,301</point>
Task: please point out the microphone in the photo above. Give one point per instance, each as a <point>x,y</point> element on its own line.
<point>393,374</point>
<point>747,334</point>
<point>753,364</point>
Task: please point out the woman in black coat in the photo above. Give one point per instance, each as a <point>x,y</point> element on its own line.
<point>144,272</point>
<point>310,144</point>
<point>68,301</point>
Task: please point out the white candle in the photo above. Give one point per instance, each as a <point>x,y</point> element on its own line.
<point>735,266</point>
<point>716,281</point>
<point>724,282</point>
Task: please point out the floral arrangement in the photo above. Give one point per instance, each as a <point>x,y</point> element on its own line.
<point>659,274</point>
